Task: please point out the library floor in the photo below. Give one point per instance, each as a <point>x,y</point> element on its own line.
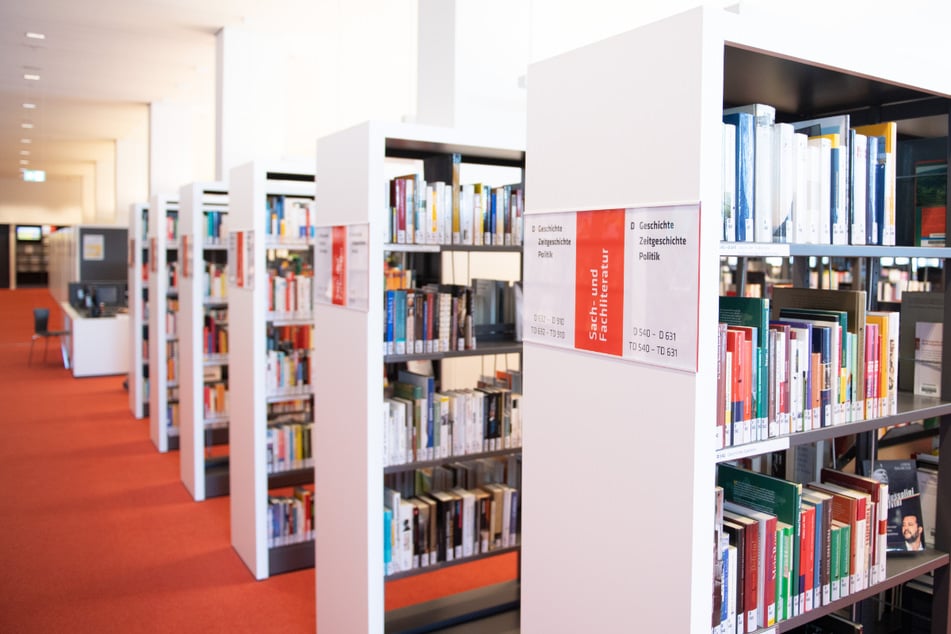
<point>97,532</point>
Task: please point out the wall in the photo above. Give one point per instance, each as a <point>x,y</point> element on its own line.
<point>56,202</point>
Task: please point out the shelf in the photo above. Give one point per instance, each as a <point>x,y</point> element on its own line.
<point>438,614</point>
<point>911,407</point>
<point>436,248</point>
<point>271,245</point>
<point>899,569</point>
<point>410,466</point>
<point>483,348</point>
<point>291,478</point>
<point>214,247</point>
<point>214,360</point>
<point>448,564</point>
<point>284,319</point>
<point>773,249</point>
<point>217,478</point>
<point>215,302</point>
<point>288,396</point>
<point>291,557</point>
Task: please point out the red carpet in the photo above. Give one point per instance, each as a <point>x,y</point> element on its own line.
<point>97,532</point>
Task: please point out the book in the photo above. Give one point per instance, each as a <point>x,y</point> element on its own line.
<point>764,116</point>
<point>886,159</point>
<point>878,493</point>
<point>905,526</point>
<point>852,507</point>
<point>728,178</point>
<point>889,324</point>
<point>852,304</point>
<point>744,161</point>
<point>928,347</point>
<point>836,128</point>
<point>749,572</point>
<point>766,556</point>
<point>769,495</point>
<point>915,307</point>
<point>754,312</point>
<point>823,577</point>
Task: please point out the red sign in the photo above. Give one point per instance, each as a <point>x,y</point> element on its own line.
<point>338,266</point>
<point>599,281</point>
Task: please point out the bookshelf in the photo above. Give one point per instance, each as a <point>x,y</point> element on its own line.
<point>203,338</point>
<point>354,167</point>
<point>655,131</point>
<point>254,390</point>
<point>139,309</point>
<point>164,362</point>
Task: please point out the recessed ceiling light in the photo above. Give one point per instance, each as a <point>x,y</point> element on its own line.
<point>24,152</point>
<point>24,162</point>
<point>29,106</point>
<point>31,76</point>
<point>35,36</point>
<point>26,126</point>
<point>25,141</point>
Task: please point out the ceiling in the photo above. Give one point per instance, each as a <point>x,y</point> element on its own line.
<point>101,63</point>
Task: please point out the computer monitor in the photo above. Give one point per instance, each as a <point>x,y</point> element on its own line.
<point>108,294</point>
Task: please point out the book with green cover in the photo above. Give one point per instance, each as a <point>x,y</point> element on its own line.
<point>754,312</point>
<point>770,495</point>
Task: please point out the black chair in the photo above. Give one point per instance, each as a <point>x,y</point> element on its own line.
<point>41,322</point>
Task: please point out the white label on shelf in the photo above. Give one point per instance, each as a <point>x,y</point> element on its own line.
<point>249,259</point>
<point>618,282</point>
<point>322,264</point>
<point>662,275</point>
<point>94,247</point>
<point>342,266</point>
<point>358,267</point>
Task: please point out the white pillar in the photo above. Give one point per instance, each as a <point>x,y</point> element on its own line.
<point>171,147</point>
<point>131,171</point>
<point>105,174</point>
<point>472,60</point>
<point>252,89</point>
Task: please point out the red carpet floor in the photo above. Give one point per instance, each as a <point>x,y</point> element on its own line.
<point>97,532</point>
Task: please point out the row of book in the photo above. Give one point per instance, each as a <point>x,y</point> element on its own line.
<point>289,447</point>
<point>817,181</point>
<point>215,400</point>
<point>171,226</point>
<point>447,525</point>
<point>171,361</point>
<point>290,518</point>
<point>215,282</point>
<point>447,317</point>
<point>446,213</point>
<point>801,360</point>
<point>290,296</point>
<point>289,219</point>
<point>784,548</point>
<point>287,372</point>
<point>891,290</point>
<point>215,228</point>
<point>215,334</point>
<point>423,424</point>
<point>299,410</point>
<point>171,318</point>
<point>171,270</point>
<point>171,412</point>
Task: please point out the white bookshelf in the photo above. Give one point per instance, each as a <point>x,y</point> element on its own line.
<point>650,135</point>
<point>250,185</point>
<point>352,190</point>
<point>138,310</point>
<point>198,430</point>
<point>162,250</point>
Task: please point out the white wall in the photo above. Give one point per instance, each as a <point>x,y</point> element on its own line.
<point>57,201</point>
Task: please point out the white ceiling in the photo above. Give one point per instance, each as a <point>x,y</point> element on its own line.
<point>103,61</point>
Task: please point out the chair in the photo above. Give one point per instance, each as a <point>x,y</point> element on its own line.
<point>41,321</point>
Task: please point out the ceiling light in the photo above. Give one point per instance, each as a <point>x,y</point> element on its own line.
<point>26,126</point>
<point>35,36</point>
<point>24,152</point>
<point>31,76</point>
<point>25,141</point>
<point>29,106</point>
<point>24,162</point>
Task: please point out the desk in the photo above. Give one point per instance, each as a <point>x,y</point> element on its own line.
<point>96,346</point>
